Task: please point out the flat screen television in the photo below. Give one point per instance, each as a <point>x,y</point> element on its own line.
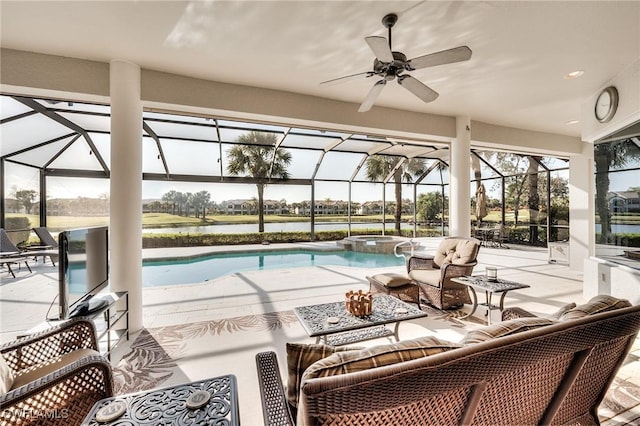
<point>83,266</point>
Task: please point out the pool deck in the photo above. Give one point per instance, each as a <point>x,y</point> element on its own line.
<point>25,300</point>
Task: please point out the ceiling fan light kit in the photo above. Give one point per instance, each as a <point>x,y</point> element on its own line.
<point>389,65</point>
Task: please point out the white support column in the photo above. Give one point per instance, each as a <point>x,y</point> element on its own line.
<point>459,169</point>
<point>581,207</point>
<point>126,186</point>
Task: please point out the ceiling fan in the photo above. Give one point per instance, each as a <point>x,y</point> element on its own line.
<point>390,65</point>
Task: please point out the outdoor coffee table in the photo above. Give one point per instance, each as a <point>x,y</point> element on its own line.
<point>335,326</point>
<point>168,406</point>
<point>481,282</point>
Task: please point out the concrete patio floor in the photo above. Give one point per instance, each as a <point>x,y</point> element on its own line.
<point>26,299</point>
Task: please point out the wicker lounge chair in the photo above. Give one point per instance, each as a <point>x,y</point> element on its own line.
<point>555,373</point>
<point>57,376</point>
<point>454,257</point>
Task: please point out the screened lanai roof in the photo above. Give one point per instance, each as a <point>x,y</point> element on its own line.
<point>72,139</point>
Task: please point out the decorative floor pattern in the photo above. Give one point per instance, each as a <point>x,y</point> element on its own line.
<point>156,353</point>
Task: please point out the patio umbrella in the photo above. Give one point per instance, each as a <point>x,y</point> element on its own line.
<point>481,203</point>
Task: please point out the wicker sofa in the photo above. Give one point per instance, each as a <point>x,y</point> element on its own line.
<point>523,371</point>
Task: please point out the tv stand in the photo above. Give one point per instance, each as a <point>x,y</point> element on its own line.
<point>111,320</point>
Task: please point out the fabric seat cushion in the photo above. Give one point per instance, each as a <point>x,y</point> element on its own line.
<point>597,304</point>
<point>299,357</point>
<point>41,370</point>
<point>377,356</point>
<point>445,251</point>
<point>6,376</point>
<point>426,276</point>
<point>466,252</point>
<point>392,280</point>
<point>505,328</point>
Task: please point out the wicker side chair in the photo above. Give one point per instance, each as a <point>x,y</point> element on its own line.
<point>454,257</point>
<point>58,376</point>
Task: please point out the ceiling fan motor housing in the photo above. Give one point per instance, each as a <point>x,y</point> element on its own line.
<point>391,69</point>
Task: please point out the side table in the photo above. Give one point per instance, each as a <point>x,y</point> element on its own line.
<point>168,406</point>
<point>489,287</point>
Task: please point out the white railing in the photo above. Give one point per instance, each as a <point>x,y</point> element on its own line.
<point>399,251</point>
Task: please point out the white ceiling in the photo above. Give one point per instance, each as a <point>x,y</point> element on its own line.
<point>521,50</point>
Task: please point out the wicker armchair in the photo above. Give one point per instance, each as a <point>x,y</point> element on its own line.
<point>455,257</point>
<point>58,376</point>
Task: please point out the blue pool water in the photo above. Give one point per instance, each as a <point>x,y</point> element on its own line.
<point>178,271</point>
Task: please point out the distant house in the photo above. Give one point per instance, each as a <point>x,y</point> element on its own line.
<point>624,201</point>
<point>372,207</point>
<point>323,207</point>
<point>250,206</point>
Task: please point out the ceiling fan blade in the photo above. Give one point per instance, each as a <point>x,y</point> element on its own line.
<point>380,47</point>
<point>347,78</point>
<point>418,88</point>
<point>372,96</point>
<point>457,54</point>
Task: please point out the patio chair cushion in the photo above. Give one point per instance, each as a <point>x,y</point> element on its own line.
<point>299,357</point>
<point>41,370</point>
<point>426,276</point>
<point>597,304</point>
<point>392,280</point>
<point>505,328</point>
<point>6,377</point>
<point>377,356</point>
<point>456,251</point>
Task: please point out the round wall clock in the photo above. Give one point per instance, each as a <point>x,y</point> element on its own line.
<point>607,104</point>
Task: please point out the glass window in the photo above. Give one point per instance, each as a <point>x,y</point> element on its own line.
<point>9,107</point>
<point>338,165</point>
<point>22,202</point>
<point>77,202</point>
<point>303,163</point>
<point>77,156</point>
<point>203,132</point>
<point>29,131</point>
<point>97,123</point>
<point>617,200</point>
<point>191,158</point>
<point>40,156</point>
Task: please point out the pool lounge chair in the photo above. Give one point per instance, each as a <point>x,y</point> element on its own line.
<point>48,245</point>
<point>47,240</point>
<point>10,254</point>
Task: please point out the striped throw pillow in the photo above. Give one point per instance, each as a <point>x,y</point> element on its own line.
<point>504,328</point>
<point>597,304</point>
<point>377,356</point>
<point>299,357</point>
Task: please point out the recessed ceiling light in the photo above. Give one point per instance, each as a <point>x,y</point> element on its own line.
<point>573,74</point>
<point>572,122</point>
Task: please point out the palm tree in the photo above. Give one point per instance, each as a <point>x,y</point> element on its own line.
<point>380,166</point>
<point>257,157</point>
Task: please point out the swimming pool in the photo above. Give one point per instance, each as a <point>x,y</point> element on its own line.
<point>183,271</point>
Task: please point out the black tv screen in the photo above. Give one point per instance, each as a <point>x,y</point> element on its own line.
<point>83,266</point>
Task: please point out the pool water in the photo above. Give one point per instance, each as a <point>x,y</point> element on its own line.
<point>181,271</point>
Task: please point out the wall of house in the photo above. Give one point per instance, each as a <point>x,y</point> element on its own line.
<point>602,277</point>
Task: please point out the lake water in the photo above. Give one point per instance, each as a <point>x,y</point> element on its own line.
<point>320,226</point>
<point>245,228</point>
<point>617,228</point>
